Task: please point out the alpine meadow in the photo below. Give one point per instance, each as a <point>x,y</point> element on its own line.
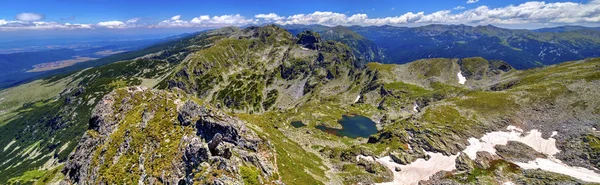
<point>334,92</point>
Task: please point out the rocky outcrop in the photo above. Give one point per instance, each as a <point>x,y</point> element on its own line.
<point>171,142</point>
<point>517,152</point>
<point>309,39</point>
<point>464,163</point>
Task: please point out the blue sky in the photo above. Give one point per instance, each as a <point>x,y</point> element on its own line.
<point>20,17</point>
<point>93,11</point>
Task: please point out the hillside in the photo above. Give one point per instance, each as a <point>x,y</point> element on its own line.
<point>522,49</point>
<point>363,48</point>
<point>264,105</point>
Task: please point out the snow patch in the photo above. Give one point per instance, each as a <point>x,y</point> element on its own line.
<point>64,147</point>
<point>8,145</point>
<point>418,170</point>
<point>422,169</point>
<point>559,167</point>
<point>533,139</point>
<point>367,158</point>
<point>461,78</point>
<point>416,108</point>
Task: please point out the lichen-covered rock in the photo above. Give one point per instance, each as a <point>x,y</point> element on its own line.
<point>484,159</point>
<point>141,136</point>
<point>464,163</point>
<point>517,152</point>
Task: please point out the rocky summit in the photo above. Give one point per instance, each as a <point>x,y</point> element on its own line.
<point>162,138</point>
<point>296,105</point>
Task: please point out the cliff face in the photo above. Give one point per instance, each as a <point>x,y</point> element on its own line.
<point>140,136</point>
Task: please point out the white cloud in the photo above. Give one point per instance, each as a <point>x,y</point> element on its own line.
<point>173,22</point>
<point>472,1</point>
<point>134,20</point>
<point>534,12</point>
<point>112,24</point>
<point>325,18</point>
<point>202,18</point>
<point>236,19</point>
<point>528,13</point>
<point>271,16</point>
<point>28,17</point>
<point>206,21</point>
<point>39,25</point>
<point>459,8</point>
<point>131,23</point>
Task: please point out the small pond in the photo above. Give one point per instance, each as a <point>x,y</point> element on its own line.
<point>353,126</point>
<point>298,124</point>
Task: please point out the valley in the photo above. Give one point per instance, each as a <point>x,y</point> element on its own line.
<point>287,105</point>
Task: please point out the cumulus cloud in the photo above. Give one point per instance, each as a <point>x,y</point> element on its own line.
<point>175,21</point>
<point>270,16</point>
<point>39,25</point>
<point>525,13</point>
<point>459,8</point>
<point>206,21</point>
<point>134,20</point>
<point>28,17</point>
<point>112,24</point>
<point>472,1</point>
<point>131,23</point>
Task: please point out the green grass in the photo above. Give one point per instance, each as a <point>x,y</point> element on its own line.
<point>27,177</point>
<point>480,175</point>
<point>381,67</point>
<point>33,92</point>
<point>160,129</point>
<point>592,146</point>
<point>296,166</point>
<point>250,175</point>
<point>444,115</point>
<point>488,103</point>
<point>474,66</point>
<point>431,67</point>
<point>412,90</point>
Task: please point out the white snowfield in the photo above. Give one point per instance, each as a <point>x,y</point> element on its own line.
<point>419,170</point>
<point>422,169</point>
<point>533,139</point>
<point>357,98</point>
<point>461,78</point>
<point>557,166</point>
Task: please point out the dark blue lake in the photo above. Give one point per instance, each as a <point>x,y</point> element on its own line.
<point>353,126</point>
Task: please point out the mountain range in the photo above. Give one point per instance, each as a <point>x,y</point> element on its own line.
<point>299,104</point>
<point>523,49</point>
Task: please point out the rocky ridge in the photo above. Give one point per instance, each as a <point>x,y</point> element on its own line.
<point>150,136</point>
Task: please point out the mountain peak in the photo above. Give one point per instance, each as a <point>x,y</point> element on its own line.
<point>309,39</point>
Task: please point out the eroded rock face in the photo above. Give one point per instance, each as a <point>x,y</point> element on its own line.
<point>140,136</point>
<point>309,39</point>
